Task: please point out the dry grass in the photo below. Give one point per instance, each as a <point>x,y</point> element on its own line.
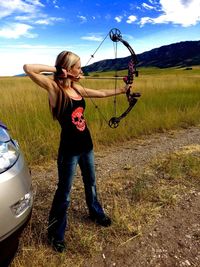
<point>133,201</point>
<point>170,99</point>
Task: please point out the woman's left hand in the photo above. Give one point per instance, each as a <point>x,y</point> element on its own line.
<point>127,88</point>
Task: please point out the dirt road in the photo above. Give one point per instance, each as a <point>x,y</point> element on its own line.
<point>174,240</point>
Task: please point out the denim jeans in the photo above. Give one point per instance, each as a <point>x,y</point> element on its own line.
<point>67,165</point>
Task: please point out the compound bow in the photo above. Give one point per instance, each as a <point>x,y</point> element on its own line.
<point>115,36</point>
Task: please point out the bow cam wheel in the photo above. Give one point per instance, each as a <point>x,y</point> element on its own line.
<point>115,35</point>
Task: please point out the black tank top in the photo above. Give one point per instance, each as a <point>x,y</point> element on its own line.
<point>75,135</point>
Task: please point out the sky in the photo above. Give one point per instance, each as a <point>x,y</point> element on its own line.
<point>36,31</point>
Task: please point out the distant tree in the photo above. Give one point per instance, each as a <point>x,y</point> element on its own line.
<point>86,73</point>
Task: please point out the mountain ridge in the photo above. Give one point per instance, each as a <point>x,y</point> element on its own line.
<point>181,54</point>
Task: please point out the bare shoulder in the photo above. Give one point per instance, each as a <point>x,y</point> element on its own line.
<point>80,89</point>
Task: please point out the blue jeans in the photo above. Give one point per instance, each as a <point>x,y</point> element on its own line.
<point>67,165</point>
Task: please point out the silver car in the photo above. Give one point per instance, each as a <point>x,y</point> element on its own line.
<point>15,195</point>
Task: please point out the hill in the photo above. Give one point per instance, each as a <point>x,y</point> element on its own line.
<point>182,54</point>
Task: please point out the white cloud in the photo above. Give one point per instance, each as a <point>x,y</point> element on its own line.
<point>28,17</point>
<point>44,54</point>
<point>55,4</point>
<point>13,57</point>
<point>42,20</point>
<point>35,2</point>
<point>82,18</point>
<point>182,12</point>
<point>48,21</point>
<point>146,20</point>
<point>19,58</point>
<point>28,11</point>
<point>118,18</point>
<point>92,38</point>
<point>8,7</point>
<point>131,19</point>
<point>128,37</point>
<point>146,6</point>
<point>16,30</point>
<point>34,47</point>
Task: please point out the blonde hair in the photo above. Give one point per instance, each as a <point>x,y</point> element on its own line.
<point>65,60</point>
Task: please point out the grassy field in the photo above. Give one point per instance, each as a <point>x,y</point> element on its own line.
<point>170,99</point>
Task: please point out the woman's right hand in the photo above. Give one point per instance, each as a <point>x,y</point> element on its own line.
<point>63,73</point>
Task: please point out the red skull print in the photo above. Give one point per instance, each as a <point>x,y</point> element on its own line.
<point>78,118</point>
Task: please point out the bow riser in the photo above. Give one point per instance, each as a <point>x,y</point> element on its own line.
<point>116,36</point>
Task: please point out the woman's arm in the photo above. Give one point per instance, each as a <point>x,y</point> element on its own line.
<point>86,92</point>
<point>34,71</point>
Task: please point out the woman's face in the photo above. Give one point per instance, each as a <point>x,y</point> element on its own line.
<point>76,69</point>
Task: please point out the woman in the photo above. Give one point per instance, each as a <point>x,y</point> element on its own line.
<point>66,99</point>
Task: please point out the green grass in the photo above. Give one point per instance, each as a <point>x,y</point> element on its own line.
<point>170,99</point>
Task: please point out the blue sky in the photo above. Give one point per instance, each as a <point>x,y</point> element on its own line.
<point>35,31</point>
